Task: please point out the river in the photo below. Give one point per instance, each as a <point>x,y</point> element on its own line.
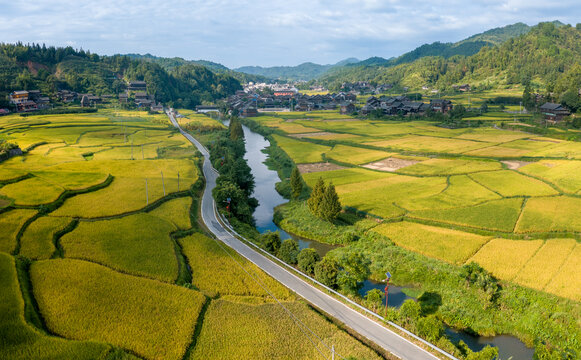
<point>268,198</point>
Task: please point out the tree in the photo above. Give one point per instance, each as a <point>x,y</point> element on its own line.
<point>355,269</point>
<point>326,271</point>
<point>307,259</point>
<point>484,108</point>
<point>330,206</point>
<point>288,252</point>
<point>270,241</point>
<point>457,112</point>
<point>236,132</point>
<point>296,183</point>
<point>374,298</point>
<point>571,100</point>
<point>316,198</point>
<point>527,98</point>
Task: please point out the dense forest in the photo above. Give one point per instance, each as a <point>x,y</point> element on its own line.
<point>49,69</point>
<point>547,57</point>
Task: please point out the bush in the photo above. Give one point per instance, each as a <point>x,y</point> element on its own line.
<point>307,259</point>
<point>288,252</point>
<point>409,312</point>
<point>270,241</point>
<point>430,328</point>
<point>326,271</point>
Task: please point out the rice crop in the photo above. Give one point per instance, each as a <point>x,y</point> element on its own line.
<point>450,167</point>
<point>567,281</point>
<point>176,211</point>
<point>11,222</point>
<point>81,300</point>
<point>301,151</point>
<point>493,215</point>
<point>138,244</point>
<point>20,341</point>
<point>217,273</point>
<point>505,258</point>
<point>265,331</point>
<point>37,239</point>
<point>32,191</point>
<point>355,155</point>
<point>543,266</point>
<point>557,213</point>
<point>445,244</point>
<point>511,183</point>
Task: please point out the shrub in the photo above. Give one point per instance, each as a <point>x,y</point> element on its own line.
<point>288,252</point>
<point>326,271</point>
<point>270,241</point>
<point>430,328</point>
<point>307,259</point>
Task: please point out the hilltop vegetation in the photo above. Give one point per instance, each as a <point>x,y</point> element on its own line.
<point>28,67</point>
<point>547,56</point>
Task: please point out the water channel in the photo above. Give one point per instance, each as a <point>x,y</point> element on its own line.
<point>268,198</point>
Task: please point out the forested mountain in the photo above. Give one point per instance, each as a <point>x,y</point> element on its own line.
<point>548,56</point>
<point>306,71</point>
<point>170,64</point>
<point>27,67</point>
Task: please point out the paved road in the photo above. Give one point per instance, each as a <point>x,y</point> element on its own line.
<point>373,331</point>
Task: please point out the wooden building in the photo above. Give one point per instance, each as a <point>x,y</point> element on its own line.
<point>554,112</point>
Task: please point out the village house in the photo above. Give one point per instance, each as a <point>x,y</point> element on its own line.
<point>18,97</point>
<point>441,105</point>
<point>137,86</point>
<point>554,112</point>
<point>202,109</point>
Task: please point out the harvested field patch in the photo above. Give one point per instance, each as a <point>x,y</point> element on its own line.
<point>390,164</point>
<point>318,167</point>
<point>445,244</point>
<point>515,164</point>
<point>81,300</point>
<point>505,258</point>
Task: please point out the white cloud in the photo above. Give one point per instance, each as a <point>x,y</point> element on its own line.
<point>266,32</point>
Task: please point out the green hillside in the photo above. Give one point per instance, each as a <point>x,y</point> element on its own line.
<point>28,67</point>
<point>548,57</point>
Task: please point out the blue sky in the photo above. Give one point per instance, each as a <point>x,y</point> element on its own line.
<point>267,33</point>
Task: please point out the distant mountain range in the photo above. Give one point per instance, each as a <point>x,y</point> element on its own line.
<point>305,71</point>
<point>467,47</point>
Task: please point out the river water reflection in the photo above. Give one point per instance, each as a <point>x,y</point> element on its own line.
<point>268,198</point>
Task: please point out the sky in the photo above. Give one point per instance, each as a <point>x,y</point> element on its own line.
<point>265,32</point>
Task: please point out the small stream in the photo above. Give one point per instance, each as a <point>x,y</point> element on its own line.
<point>268,198</point>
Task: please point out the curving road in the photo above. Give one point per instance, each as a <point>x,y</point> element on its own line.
<point>363,325</point>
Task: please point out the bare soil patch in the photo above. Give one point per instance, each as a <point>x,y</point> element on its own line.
<point>390,164</point>
<point>515,164</point>
<point>317,167</point>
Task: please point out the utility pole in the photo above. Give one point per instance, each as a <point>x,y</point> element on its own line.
<point>142,156</point>
<point>131,149</point>
<point>333,352</point>
<point>146,194</point>
<point>162,183</point>
<point>178,181</point>
<point>388,276</point>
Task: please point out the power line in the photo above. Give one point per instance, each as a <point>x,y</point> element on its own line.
<point>295,319</point>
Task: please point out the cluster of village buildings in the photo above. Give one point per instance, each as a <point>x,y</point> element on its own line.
<point>402,105</point>
<point>33,100</point>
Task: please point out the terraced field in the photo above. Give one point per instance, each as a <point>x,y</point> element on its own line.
<point>99,230</point>
<point>463,186</point>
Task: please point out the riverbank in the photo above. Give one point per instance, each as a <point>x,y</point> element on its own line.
<point>525,313</point>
